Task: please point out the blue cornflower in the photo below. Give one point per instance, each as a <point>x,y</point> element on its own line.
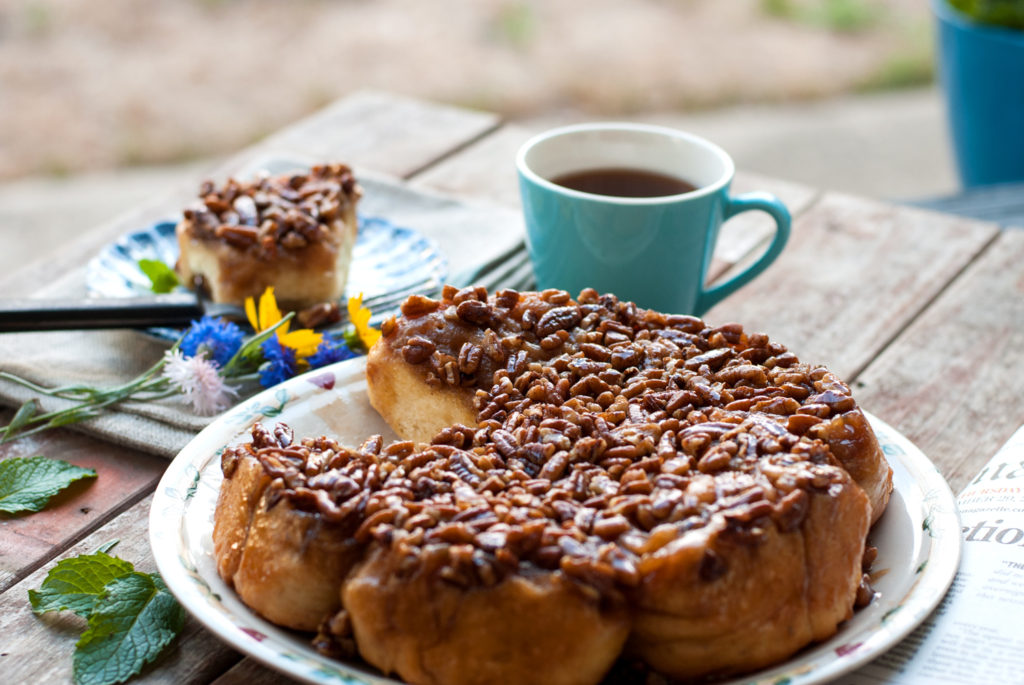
<point>220,339</point>
<point>279,362</point>
<point>332,349</point>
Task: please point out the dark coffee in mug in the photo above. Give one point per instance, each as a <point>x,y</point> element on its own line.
<point>624,182</point>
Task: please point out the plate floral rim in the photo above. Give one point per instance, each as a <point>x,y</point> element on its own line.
<point>922,502</point>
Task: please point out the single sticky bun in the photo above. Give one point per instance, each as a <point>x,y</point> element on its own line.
<point>580,482</point>
<point>293,232</point>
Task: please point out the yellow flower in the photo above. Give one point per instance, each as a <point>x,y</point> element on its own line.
<point>360,318</point>
<point>304,341</point>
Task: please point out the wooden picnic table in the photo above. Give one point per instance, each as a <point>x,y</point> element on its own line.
<point>921,312</point>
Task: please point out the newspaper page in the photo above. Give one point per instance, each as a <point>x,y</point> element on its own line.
<point>976,634</point>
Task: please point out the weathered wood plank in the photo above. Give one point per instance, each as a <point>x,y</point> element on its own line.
<point>38,649</point>
<point>378,131</point>
<point>854,274</point>
<point>952,382</point>
<point>123,476</point>
<point>487,169</point>
<point>61,259</point>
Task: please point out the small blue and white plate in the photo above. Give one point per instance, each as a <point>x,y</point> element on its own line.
<point>389,263</point>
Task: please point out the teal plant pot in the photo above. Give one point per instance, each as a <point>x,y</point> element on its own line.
<point>981,68</point>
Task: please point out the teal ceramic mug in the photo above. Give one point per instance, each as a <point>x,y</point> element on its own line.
<point>654,251</point>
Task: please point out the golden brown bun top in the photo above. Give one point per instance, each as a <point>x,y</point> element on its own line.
<point>606,433</point>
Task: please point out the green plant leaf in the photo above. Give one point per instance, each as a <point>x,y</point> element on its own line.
<point>162,278</point>
<point>28,483</point>
<point>132,622</point>
<point>1007,13</point>
<point>352,339</point>
<point>107,546</point>
<point>24,414</point>
<point>22,418</point>
<point>75,584</point>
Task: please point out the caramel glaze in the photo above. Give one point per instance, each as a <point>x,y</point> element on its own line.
<point>689,491</point>
<point>605,432</point>
<point>274,216</point>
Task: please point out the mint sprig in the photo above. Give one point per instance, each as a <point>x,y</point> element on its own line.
<point>162,278</point>
<point>28,483</point>
<point>132,622</point>
<point>131,616</point>
<point>76,584</point>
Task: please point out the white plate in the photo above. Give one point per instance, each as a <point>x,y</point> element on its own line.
<point>918,538</point>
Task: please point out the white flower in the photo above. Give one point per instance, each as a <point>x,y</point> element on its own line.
<point>199,382</point>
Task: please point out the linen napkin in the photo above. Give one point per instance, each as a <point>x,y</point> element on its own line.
<point>467,233</point>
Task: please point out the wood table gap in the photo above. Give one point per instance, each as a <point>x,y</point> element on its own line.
<point>61,547</point>
<point>441,159</point>
<point>925,306</point>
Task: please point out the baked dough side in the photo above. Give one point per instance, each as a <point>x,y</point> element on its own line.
<point>263,546</point>
<point>292,566</point>
<point>791,587</point>
<point>240,492</point>
<point>771,599</point>
<point>400,394</point>
<point>852,441</point>
<point>433,633</point>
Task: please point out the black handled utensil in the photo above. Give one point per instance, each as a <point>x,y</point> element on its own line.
<point>175,309</point>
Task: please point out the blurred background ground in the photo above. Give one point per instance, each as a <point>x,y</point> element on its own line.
<point>103,103</point>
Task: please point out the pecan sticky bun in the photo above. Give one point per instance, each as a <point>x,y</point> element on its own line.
<point>582,481</point>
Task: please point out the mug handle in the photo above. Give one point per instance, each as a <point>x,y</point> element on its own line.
<point>742,203</point>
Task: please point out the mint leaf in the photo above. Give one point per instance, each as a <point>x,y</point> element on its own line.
<point>162,278</point>
<point>131,616</point>
<point>28,483</point>
<point>75,584</point>
<point>134,619</point>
